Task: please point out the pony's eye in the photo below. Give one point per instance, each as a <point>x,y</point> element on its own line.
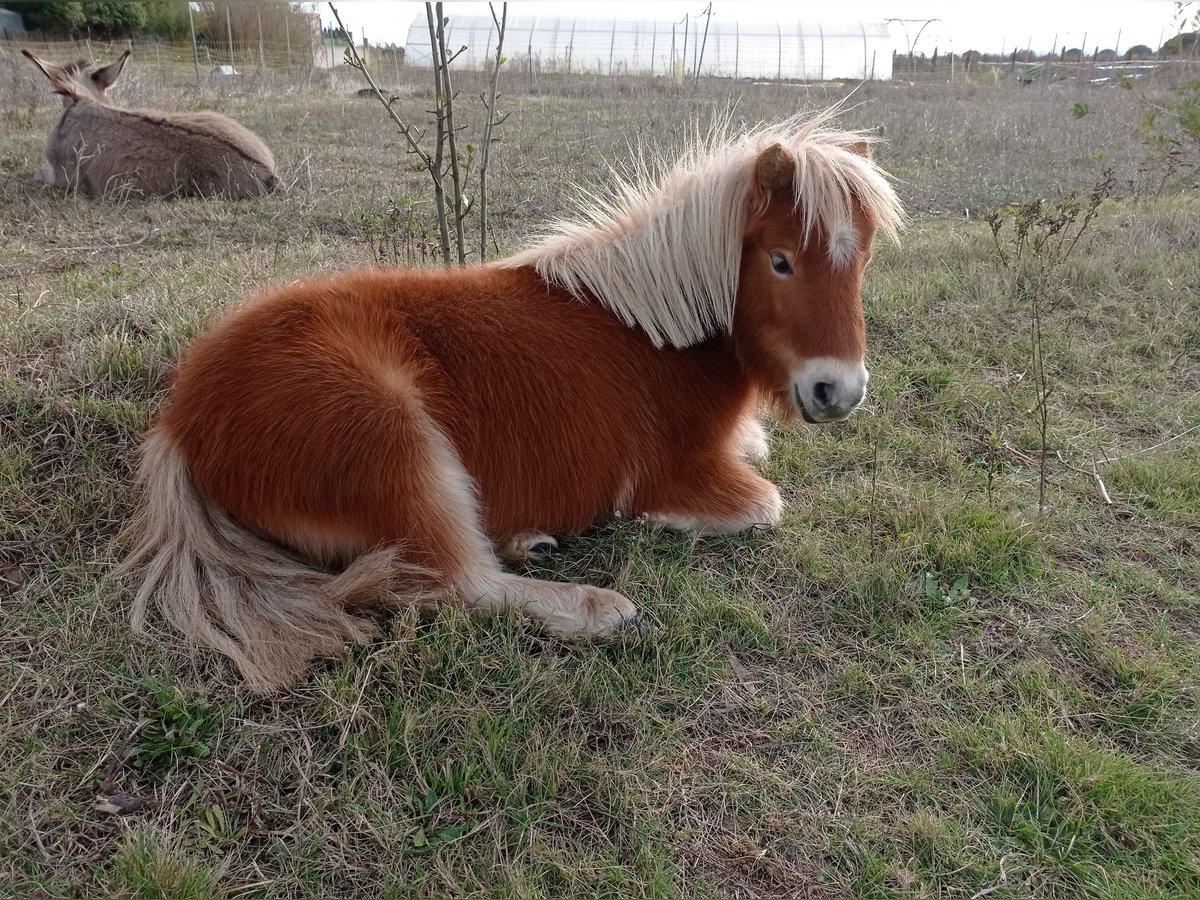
<point>780,264</point>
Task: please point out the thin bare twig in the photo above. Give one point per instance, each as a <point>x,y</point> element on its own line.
<point>357,63</point>
<point>874,484</point>
<point>1157,446</point>
<point>446,104</point>
<point>37,839</point>
<point>1100,482</point>
<point>439,189</point>
<point>490,106</point>
<point>95,248</point>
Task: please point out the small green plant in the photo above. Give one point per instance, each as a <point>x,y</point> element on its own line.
<point>181,725</point>
<point>1171,133</point>
<point>400,235</point>
<point>1032,241</point>
<point>217,829</point>
<point>428,834</point>
<point>942,593</point>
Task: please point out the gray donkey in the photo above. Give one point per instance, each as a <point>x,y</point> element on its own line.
<point>102,150</point>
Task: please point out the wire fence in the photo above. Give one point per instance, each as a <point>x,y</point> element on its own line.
<point>203,57</point>
<point>323,58</point>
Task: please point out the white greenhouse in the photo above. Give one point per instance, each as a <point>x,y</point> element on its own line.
<point>787,49</point>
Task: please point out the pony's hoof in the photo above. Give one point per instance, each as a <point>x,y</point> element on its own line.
<point>543,548</point>
<point>603,613</point>
<point>534,547</point>
<point>638,628</point>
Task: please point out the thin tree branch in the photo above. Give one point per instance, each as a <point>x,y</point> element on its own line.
<point>492,121</point>
<point>439,190</point>
<point>446,101</point>
<point>405,129</point>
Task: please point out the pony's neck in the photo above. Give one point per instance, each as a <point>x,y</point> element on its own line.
<point>662,258</point>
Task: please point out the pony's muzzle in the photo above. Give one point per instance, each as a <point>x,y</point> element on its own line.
<point>827,389</point>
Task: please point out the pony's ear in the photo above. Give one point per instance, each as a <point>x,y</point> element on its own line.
<point>862,148</point>
<point>774,170</point>
<point>47,68</point>
<point>104,78</point>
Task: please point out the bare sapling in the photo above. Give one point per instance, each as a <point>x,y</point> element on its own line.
<point>443,161</point>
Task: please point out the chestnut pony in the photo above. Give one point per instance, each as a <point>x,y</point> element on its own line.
<point>353,442</point>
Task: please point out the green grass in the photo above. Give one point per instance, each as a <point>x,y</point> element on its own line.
<point>917,686</point>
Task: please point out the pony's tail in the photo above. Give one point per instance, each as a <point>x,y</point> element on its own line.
<point>225,587</point>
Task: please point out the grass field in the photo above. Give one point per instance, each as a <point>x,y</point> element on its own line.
<point>917,686</point>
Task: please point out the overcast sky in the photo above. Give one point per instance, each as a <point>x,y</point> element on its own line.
<point>984,25</point>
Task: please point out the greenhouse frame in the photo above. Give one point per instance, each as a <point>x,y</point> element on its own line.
<point>785,49</point>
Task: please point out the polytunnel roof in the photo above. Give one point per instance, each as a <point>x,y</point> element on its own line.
<point>613,36</point>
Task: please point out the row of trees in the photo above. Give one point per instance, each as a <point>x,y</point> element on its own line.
<point>1180,45</point>
<point>246,21</point>
<point>1184,45</point>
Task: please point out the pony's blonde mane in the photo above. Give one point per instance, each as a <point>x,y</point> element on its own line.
<point>663,253</point>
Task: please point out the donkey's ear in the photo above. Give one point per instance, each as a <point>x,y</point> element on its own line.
<point>774,170</point>
<point>104,78</point>
<point>62,78</point>
<point>47,68</point>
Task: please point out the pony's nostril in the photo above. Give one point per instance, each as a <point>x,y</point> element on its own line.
<point>823,393</point>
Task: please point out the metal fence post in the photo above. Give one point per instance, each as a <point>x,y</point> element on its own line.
<point>778,51</point>
<point>821,37</point>
<point>863,28</point>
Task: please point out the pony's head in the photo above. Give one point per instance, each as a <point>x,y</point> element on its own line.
<point>798,327</point>
<point>761,236</point>
<point>75,81</point>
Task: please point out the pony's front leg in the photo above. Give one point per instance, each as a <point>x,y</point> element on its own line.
<point>751,440</point>
<point>718,496</point>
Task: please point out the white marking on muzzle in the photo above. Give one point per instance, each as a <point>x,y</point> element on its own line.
<point>828,388</point>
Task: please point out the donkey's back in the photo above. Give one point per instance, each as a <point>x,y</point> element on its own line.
<point>100,149</point>
<point>104,150</point>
